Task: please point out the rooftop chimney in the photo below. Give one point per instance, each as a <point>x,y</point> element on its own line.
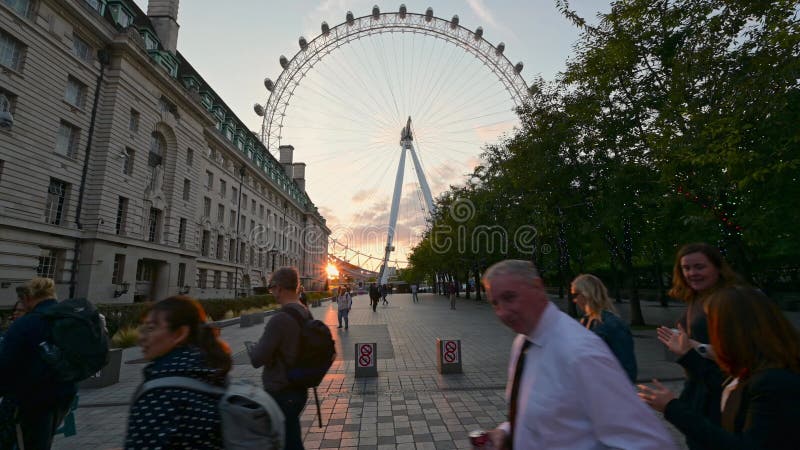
<point>285,158</point>
<point>163,14</point>
<point>299,175</point>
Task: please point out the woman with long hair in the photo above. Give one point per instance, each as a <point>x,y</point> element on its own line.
<point>760,350</point>
<point>699,271</point>
<point>591,296</point>
<point>177,341</point>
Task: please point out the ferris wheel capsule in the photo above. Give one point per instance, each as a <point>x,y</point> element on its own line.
<point>454,22</point>
<point>349,18</point>
<point>428,14</point>
<point>326,30</point>
<point>258,109</point>
<point>269,84</point>
<point>501,47</point>
<point>403,11</point>
<point>478,33</point>
<point>303,43</point>
<point>376,12</point>
<point>284,62</point>
<point>518,67</point>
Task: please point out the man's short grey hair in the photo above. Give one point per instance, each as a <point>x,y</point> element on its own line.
<point>286,278</point>
<point>514,267</point>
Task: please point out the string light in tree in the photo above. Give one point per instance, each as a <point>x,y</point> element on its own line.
<point>726,222</point>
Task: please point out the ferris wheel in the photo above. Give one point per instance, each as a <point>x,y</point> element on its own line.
<point>350,120</point>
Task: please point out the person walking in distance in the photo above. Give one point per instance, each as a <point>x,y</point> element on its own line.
<point>414,296</point>
<point>451,291</point>
<point>374,295</point>
<point>384,293</point>
<point>276,352</point>
<point>343,303</point>
<point>566,389</point>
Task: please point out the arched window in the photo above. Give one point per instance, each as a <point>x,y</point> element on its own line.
<point>158,148</point>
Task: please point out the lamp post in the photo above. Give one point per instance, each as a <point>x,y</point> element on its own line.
<point>272,252</point>
<point>242,171</point>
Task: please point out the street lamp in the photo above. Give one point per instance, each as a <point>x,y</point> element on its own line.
<point>272,252</point>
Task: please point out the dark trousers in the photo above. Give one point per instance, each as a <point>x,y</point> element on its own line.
<point>375,304</point>
<point>38,427</point>
<point>291,403</point>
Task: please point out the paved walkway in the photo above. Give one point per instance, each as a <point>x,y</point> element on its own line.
<point>409,405</point>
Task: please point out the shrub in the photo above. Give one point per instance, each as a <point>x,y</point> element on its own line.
<point>125,337</point>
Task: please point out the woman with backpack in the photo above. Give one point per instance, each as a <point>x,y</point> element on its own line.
<point>42,400</point>
<point>177,341</point>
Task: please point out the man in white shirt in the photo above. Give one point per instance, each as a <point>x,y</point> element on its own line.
<point>572,393</point>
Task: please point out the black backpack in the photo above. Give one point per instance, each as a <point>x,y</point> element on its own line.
<point>77,346</point>
<point>315,353</point>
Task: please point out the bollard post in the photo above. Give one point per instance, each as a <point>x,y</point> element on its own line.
<point>448,356</point>
<point>366,356</point>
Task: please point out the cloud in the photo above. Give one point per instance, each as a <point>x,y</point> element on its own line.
<point>483,13</point>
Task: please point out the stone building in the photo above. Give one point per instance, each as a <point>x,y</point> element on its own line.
<point>123,175</point>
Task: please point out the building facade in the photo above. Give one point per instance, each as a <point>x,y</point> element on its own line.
<point>124,176</point>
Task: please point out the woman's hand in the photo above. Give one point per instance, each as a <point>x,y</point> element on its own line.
<point>657,396</point>
<point>678,343</point>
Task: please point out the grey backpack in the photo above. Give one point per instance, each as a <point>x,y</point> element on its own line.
<point>250,417</point>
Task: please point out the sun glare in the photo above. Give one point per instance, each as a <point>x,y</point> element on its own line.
<point>333,272</point>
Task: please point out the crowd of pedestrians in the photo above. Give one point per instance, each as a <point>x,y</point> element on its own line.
<point>571,384</point>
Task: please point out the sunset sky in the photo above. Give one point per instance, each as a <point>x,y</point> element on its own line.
<point>346,115</point>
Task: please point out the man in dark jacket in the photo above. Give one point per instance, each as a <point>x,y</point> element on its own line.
<point>25,379</point>
<point>277,349</point>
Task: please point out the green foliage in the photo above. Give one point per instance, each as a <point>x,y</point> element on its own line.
<point>674,122</point>
<point>125,337</point>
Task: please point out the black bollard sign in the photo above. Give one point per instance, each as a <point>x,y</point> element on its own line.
<point>448,356</point>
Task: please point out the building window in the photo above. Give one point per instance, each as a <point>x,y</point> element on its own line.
<point>145,270</point>
<point>209,179</point>
<point>158,148</point>
<point>122,216</point>
<point>97,5</point>
<point>232,251</point>
<point>253,206</point>
<point>181,274</point>
<point>252,255</point>
<point>49,260</point>
<point>75,93</point>
<point>220,245</point>
<point>182,232</point>
<point>133,121</point>
<point>56,202</point>
<point>67,140</point>
<point>187,189</point>
<point>260,211</point>
<point>81,48</point>
<point>119,269</point>
<point>202,278</point>
<point>12,52</point>
<point>120,15</point>
<point>189,157</point>
<point>217,279</point>
<point>127,163</point>
<point>260,259</point>
<point>166,106</point>
<point>223,188</point>
<point>230,280</point>
<point>252,225</point>
<point>154,225</point>
<point>220,213</point>
<point>232,222</point>
<point>235,196</point>
<point>244,200</point>
<point>242,252</point>
<point>205,243</point>
<point>22,7</point>
<point>206,207</point>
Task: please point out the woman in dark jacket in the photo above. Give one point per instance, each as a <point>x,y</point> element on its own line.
<point>591,296</point>
<point>699,271</point>
<point>176,338</point>
<point>760,350</point>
